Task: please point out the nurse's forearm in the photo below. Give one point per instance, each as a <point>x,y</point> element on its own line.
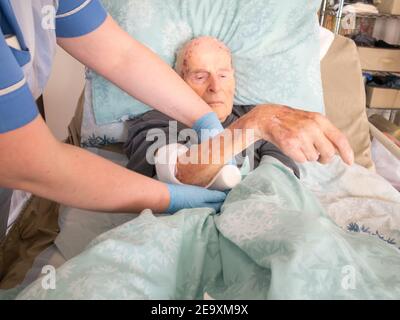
<point>72,176</point>
<point>114,54</point>
<point>203,162</point>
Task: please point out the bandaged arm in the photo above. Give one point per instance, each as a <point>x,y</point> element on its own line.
<point>205,164</point>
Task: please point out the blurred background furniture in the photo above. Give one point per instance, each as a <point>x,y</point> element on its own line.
<point>375,27</point>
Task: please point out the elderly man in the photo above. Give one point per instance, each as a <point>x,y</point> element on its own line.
<point>206,65</point>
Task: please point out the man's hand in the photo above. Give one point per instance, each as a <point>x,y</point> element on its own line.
<point>303,136</point>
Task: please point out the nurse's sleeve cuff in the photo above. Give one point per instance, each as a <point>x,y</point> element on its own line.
<point>17,108</point>
<point>77,18</point>
<point>17,105</point>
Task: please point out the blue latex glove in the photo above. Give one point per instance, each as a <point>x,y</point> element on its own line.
<point>186,197</point>
<point>208,127</point>
<point>211,126</point>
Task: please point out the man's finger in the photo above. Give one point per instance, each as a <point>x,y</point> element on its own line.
<point>310,152</point>
<point>296,155</point>
<point>338,139</point>
<point>291,148</point>
<point>342,145</point>
<point>325,149</point>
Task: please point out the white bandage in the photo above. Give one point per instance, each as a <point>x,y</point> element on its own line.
<point>227,178</point>
<point>166,159</point>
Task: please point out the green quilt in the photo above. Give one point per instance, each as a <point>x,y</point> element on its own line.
<point>273,240</point>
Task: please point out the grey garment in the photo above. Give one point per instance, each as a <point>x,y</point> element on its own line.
<point>5,202</point>
<point>79,227</point>
<point>141,137</point>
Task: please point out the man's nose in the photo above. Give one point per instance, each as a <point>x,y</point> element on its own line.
<point>214,85</point>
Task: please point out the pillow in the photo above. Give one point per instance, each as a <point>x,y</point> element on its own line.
<point>344,95</point>
<point>275,46</point>
<point>98,135</point>
<point>83,130</point>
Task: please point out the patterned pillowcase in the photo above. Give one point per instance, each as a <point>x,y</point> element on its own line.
<point>275,46</point>
<point>94,135</point>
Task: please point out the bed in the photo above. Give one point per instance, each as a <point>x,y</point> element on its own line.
<point>46,233</point>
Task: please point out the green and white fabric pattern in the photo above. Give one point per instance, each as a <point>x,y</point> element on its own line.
<point>274,239</point>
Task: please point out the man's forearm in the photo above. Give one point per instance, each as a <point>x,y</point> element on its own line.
<point>73,176</point>
<point>114,54</point>
<point>203,162</point>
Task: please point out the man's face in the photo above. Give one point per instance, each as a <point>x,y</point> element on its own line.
<point>208,71</point>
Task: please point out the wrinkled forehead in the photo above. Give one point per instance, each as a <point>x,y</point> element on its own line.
<point>206,50</point>
<point>207,43</point>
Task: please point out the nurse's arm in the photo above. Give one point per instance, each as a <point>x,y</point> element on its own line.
<point>114,54</point>
<point>32,159</point>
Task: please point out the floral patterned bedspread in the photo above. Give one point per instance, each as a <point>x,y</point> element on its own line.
<point>334,234</point>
